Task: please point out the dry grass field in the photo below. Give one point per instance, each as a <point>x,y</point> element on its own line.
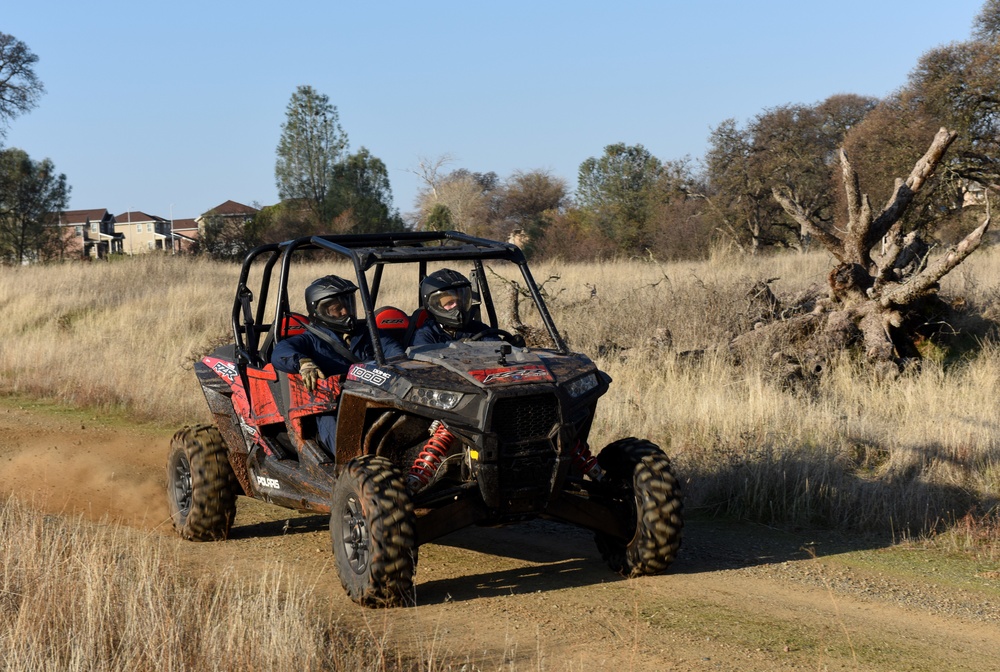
<point>856,450</point>
<point>77,596</point>
<point>917,454</point>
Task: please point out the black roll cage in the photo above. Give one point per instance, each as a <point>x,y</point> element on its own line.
<point>366,251</point>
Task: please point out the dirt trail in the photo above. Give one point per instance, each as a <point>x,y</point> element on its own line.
<point>537,596</point>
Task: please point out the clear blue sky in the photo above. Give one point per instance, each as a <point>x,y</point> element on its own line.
<point>174,107</point>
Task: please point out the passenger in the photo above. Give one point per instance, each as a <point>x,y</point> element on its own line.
<point>447,296</point>
<point>330,344</point>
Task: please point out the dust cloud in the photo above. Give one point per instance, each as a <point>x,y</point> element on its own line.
<point>64,466</point>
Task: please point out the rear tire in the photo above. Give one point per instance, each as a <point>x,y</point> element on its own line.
<point>642,491</point>
<point>201,485</point>
<point>373,529</point>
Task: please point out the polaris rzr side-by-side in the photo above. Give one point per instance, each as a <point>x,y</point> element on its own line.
<point>476,431</point>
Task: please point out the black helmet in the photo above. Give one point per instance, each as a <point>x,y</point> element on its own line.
<point>332,293</point>
<point>447,288</point>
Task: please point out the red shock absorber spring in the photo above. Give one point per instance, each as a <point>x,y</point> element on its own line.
<point>431,457</point>
<point>586,462</point>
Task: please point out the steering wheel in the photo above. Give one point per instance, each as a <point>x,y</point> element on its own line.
<point>516,341</point>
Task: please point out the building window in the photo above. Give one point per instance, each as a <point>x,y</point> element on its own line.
<point>149,227</point>
<point>150,244</point>
<point>95,226</point>
<point>79,230</point>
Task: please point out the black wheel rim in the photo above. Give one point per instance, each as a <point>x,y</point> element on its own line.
<point>626,505</point>
<point>355,536</point>
<point>182,485</point>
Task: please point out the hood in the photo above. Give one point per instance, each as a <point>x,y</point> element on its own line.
<point>483,363</point>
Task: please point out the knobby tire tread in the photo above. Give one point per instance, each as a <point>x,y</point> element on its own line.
<point>391,523</point>
<point>213,484</point>
<point>645,468</point>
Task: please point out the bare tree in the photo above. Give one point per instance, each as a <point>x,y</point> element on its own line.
<point>876,293</point>
<point>429,172</point>
<point>467,199</point>
<point>20,88</point>
<point>463,199</point>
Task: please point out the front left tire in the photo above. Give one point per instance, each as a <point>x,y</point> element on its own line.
<point>373,529</point>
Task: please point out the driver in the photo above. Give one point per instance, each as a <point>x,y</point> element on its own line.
<point>447,296</point>
<point>333,340</point>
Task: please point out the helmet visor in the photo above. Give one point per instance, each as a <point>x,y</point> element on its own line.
<point>451,306</point>
<point>337,310</point>
<point>452,298</point>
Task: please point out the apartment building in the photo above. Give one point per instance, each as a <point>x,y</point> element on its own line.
<point>143,233</point>
<point>88,233</point>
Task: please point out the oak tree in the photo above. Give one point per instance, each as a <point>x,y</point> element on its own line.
<point>528,203</point>
<point>618,190</point>
<point>32,194</point>
<point>360,191</point>
<point>791,146</point>
<point>958,86</point>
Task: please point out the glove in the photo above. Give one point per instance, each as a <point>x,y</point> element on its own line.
<point>310,373</point>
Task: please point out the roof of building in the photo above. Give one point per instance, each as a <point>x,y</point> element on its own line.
<point>137,216</point>
<point>184,225</point>
<point>74,217</point>
<point>232,208</point>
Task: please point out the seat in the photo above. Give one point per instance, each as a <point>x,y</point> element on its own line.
<point>291,324</point>
<point>417,320</point>
<point>392,322</point>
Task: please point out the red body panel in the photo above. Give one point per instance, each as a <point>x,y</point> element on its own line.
<point>265,408</point>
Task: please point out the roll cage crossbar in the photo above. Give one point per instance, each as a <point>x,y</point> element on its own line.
<point>367,251</point>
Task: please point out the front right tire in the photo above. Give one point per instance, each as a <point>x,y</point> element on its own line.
<point>641,490</point>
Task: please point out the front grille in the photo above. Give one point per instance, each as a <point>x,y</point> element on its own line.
<point>527,456</point>
<point>519,419</point>
<point>526,472</point>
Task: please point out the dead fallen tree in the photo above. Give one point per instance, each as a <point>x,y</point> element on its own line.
<point>884,286</point>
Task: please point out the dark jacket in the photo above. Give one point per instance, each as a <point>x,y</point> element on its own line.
<point>432,332</point>
<point>287,353</point>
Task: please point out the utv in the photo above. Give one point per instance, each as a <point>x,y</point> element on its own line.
<point>476,432</point>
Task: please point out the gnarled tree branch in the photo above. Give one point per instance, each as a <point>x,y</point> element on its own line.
<point>857,205</point>
<point>923,281</point>
<point>904,192</point>
<point>875,290</point>
<point>795,210</point>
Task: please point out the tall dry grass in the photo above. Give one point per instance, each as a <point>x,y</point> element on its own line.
<point>856,450</point>
<point>117,335</point>
<point>80,597</point>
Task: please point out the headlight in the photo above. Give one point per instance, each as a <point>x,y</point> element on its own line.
<point>442,399</point>
<point>582,385</point>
